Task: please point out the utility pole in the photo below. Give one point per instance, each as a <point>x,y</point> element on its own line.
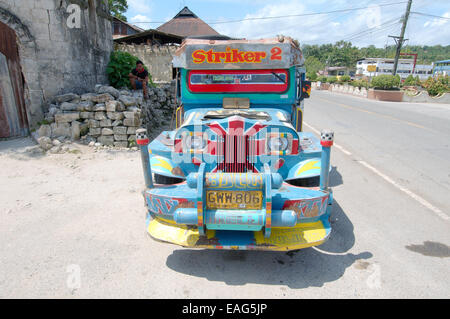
<point>401,39</point>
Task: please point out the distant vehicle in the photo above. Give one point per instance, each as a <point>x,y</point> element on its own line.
<point>238,172</point>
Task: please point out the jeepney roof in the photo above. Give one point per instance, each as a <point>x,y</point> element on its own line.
<point>204,54</point>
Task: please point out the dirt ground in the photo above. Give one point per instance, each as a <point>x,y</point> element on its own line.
<point>66,209</point>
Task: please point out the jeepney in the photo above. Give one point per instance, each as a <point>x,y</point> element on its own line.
<point>238,172</point>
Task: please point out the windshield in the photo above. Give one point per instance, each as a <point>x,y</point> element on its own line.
<point>239,81</point>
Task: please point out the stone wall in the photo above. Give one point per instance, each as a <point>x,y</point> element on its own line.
<point>158,59</point>
<point>56,59</point>
<point>106,117</point>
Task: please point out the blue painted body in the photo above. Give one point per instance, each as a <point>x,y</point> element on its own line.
<point>262,172</point>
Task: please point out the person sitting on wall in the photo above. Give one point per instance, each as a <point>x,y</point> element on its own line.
<point>139,78</point>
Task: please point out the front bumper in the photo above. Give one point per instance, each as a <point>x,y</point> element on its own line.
<point>282,239</point>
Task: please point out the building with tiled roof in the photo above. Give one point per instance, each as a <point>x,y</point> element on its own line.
<point>186,24</point>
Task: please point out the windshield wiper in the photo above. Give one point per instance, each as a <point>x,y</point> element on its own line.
<point>279,77</point>
<point>228,113</point>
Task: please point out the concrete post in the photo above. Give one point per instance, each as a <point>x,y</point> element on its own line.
<point>326,140</point>
<point>143,141</point>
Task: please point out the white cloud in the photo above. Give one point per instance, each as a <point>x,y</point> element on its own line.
<point>361,27</point>
<point>139,7</point>
<point>140,18</point>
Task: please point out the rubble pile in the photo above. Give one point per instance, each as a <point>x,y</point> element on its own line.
<point>108,117</point>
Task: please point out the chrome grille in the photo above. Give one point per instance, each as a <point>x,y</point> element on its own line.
<point>234,153</point>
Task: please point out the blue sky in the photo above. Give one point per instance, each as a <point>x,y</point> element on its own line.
<point>361,27</point>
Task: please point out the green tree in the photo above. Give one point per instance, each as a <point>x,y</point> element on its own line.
<point>117,8</point>
<point>313,65</point>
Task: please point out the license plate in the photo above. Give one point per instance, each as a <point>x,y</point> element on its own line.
<point>233,199</point>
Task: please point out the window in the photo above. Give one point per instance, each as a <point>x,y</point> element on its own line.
<point>239,81</point>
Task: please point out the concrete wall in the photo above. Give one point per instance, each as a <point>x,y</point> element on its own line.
<point>423,97</point>
<point>158,59</point>
<point>56,59</point>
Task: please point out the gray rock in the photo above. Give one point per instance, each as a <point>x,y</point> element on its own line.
<point>120,137</point>
<point>66,97</point>
<point>99,107</point>
<point>107,131</point>
<point>53,109</point>
<point>117,123</point>
<point>131,130</point>
<point>105,123</point>
<point>109,89</point>
<point>45,130</point>
<point>120,130</point>
<point>106,140</point>
<point>125,92</point>
<point>95,131</point>
<point>115,115</point>
<point>88,96</point>
<point>111,106</point>
<point>45,143</point>
<point>76,130</point>
<point>86,115</point>
<point>127,100</point>
<point>85,106</point>
<point>100,116</point>
<point>130,115</point>
<point>102,98</point>
<point>94,124</point>
<point>67,117</point>
<point>61,129</point>
<point>131,122</point>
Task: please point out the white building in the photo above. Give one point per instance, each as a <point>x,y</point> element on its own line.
<point>386,66</point>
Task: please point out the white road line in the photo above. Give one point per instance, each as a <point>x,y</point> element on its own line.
<point>414,196</point>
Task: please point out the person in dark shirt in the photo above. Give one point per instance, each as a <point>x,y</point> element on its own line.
<point>139,78</point>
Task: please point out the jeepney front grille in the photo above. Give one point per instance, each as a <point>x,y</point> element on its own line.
<point>235,153</point>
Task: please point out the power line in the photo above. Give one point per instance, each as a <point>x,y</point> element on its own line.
<point>306,14</point>
<point>386,28</point>
<point>367,31</point>
<point>288,16</point>
<point>429,15</point>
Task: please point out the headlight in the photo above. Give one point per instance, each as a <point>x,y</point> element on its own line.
<point>195,142</point>
<point>277,143</point>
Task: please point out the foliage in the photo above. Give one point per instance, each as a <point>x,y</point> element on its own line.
<point>436,86</point>
<point>386,82</point>
<point>322,79</point>
<point>345,54</point>
<point>360,83</point>
<point>117,8</point>
<point>119,67</point>
<point>311,76</point>
<point>344,79</point>
<point>332,79</point>
<point>313,65</point>
<point>412,81</point>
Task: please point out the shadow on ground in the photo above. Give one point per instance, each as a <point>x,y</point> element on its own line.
<point>335,177</point>
<point>311,267</point>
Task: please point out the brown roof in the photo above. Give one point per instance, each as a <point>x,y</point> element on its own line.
<point>186,23</point>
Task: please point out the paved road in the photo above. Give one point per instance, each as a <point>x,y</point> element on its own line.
<point>63,215</point>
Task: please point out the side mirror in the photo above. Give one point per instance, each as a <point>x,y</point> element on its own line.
<point>306,89</point>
